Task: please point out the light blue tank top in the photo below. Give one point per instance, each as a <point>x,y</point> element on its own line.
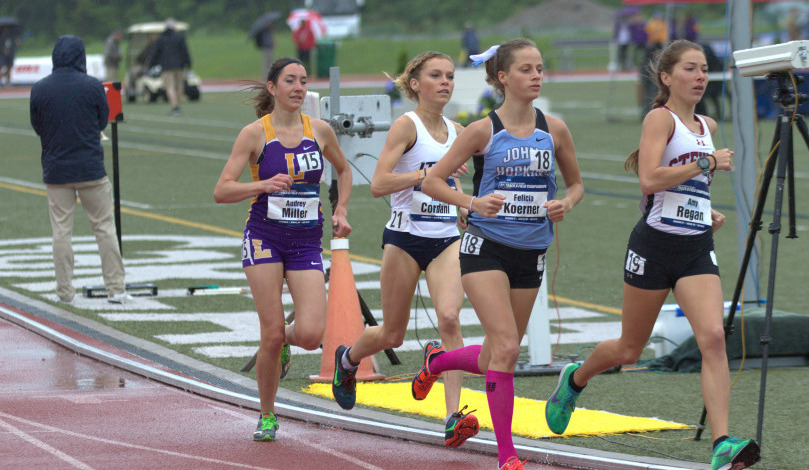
<point>522,170</point>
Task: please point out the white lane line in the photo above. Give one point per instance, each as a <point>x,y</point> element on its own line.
<point>182,134</point>
<point>122,444</point>
<point>166,150</point>
<point>40,186</point>
<point>160,149</point>
<point>42,446</point>
<point>299,439</point>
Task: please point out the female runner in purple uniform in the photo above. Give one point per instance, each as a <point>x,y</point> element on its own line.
<point>284,150</point>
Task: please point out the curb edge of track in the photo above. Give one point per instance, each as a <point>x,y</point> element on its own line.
<point>34,316</point>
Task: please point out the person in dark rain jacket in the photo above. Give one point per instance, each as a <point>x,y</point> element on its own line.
<point>171,54</point>
<point>68,111</point>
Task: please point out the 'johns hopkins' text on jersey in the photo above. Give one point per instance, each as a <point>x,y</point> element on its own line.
<point>299,207</point>
<point>522,170</point>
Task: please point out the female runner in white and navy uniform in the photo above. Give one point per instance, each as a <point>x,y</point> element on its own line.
<point>510,226</point>
<point>421,235</point>
<point>671,249</point>
<point>284,150</point>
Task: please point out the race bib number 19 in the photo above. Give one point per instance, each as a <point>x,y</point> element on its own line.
<point>635,263</point>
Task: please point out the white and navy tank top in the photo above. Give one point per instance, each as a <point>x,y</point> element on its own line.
<point>412,210</point>
<point>686,208</point>
<point>522,170</point>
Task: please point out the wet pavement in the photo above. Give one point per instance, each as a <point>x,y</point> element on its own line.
<point>64,410</point>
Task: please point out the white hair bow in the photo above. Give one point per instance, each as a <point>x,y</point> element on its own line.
<point>478,59</point>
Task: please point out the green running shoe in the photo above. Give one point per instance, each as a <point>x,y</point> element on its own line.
<point>735,454</point>
<point>562,403</point>
<point>286,359</point>
<point>265,431</point>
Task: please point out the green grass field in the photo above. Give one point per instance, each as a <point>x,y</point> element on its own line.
<point>169,165</point>
<point>232,54</point>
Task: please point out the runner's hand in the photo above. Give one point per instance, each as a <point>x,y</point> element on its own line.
<point>717,220</point>
<point>488,205</point>
<point>556,210</point>
<point>279,182</point>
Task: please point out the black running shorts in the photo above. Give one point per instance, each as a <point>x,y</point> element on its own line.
<point>524,268</point>
<point>657,260</point>
<point>422,249</point>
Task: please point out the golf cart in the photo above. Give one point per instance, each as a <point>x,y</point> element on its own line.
<point>145,82</point>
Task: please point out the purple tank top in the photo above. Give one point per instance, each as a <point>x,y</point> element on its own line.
<point>297,209</point>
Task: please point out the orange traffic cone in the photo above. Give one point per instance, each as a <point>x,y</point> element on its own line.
<point>343,316</point>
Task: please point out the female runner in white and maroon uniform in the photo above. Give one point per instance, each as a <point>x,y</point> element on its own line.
<point>671,249</point>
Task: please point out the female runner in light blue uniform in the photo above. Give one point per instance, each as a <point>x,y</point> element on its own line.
<point>510,226</point>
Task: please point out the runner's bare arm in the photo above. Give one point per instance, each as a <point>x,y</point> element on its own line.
<point>334,154</point>
<point>246,149</point>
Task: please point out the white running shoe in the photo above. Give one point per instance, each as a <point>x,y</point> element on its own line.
<point>122,298</point>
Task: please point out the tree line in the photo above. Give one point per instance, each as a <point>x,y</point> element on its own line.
<point>46,20</point>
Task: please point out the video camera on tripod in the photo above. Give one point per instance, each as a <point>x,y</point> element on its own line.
<point>776,58</point>
<point>777,62</point>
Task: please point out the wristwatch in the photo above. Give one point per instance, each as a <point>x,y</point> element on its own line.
<point>704,164</point>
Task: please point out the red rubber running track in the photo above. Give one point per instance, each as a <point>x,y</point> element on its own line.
<point>62,410</point>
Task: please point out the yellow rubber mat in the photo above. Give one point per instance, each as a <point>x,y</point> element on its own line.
<point>529,415</point>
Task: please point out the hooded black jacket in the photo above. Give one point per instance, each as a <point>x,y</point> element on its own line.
<point>68,111</point>
<point>170,51</point>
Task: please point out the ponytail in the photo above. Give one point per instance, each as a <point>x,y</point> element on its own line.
<point>631,163</point>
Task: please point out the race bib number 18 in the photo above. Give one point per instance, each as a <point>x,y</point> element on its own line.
<point>470,244</point>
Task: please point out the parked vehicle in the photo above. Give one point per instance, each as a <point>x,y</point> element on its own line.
<point>144,82</point>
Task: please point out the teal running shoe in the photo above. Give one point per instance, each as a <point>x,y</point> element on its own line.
<point>344,386</point>
<point>562,403</point>
<point>265,431</point>
<point>286,360</point>
<point>735,454</point>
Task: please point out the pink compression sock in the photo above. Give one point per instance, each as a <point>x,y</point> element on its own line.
<point>500,395</point>
<point>465,359</point>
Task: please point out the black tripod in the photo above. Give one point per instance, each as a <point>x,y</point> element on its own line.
<point>787,96</point>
